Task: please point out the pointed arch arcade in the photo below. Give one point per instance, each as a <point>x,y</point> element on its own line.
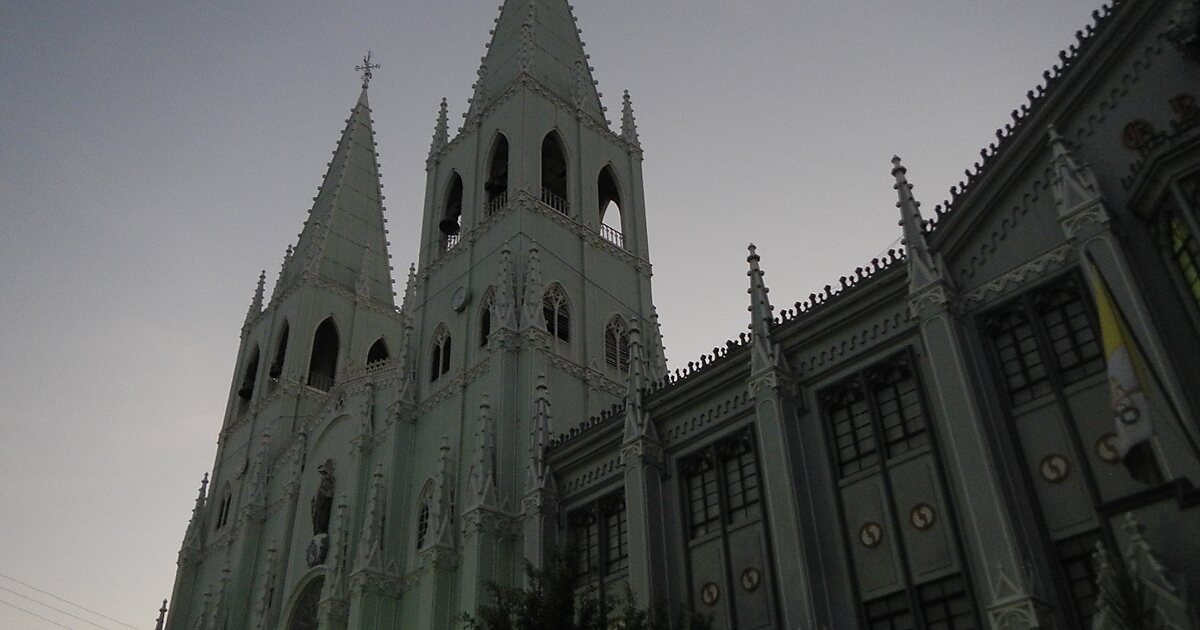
<point>609,209</point>
<point>276,369</point>
<point>496,187</point>
<point>322,363</point>
<point>378,352</point>
<point>450,226</point>
<point>554,173</point>
<point>249,376</point>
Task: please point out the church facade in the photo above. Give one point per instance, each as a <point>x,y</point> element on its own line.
<point>930,443</point>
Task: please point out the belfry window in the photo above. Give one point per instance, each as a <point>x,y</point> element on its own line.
<point>616,344</point>
<point>496,187</point>
<point>378,352</point>
<point>248,377</point>
<point>223,507</point>
<point>439,357</point>
<point>322,366</point>
<point>486,308</point>
<point>276,369</point>
<point>554,173</point>
<point>610,207</point>
<point>451,223</point>
<point>557,313</point>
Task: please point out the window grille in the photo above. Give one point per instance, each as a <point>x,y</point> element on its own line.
<point>1070,332</point>
<point>422,522</point>
<point>741,477</point>
<point>854,439</point>
<point>616,344</point>
<point>1075,556</point>
<point>704,508</point>
<point>616,533</point>
<point>1185,252</point>
<point>1020,359</point>
<point>945,604</point>
<point>890,612</point>
<point>556,313</point>
<point>901,413</point>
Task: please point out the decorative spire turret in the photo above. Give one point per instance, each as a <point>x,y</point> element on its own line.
<point>765,353</point>
<point>483,481</point>
<point>628,122</point>
<point>256,302</point>
<point>443,516</point>
<point>637,421</point>
<point>370,542</point>
<point>278,288</point>
<point>539,439</point>
<point>162,616</point>
<point>410,290</point>
<point>1075,184</point>
<point>504,310</point>
<point>921,268</point>
<point>191,538</point>
<point>531,305</point>
<point>441,131</point>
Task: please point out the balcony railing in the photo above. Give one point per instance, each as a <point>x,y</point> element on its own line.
<point>496,204</point>
<point>323,382</point>
<point>555,202</point>
<point>611,235</point>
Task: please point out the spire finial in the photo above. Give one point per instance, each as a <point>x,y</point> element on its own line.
<point>256,302</point>
<point>1075,184</point>
<point>539,475</point>
<point>628,122</point>
<point>162,616</point>
<point>765,353</point>
<point>441,130</point>
<point>366,69</point>
<point>921,268</point>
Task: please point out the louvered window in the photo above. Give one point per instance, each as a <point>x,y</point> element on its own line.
<point>616,344</point>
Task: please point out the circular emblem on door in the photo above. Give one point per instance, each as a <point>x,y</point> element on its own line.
<point>870,534</point>
<point>750,579</point>
<point>1106,448</point>
<point>1054,468</point>
<point>710,593</point>
<point>921,516</point>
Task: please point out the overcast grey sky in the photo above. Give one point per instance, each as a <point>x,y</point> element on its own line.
<point>154,156</point>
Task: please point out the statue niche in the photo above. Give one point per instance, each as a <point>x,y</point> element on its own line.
<point>322,509</point>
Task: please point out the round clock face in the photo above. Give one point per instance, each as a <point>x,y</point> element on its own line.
<point>459,300</point>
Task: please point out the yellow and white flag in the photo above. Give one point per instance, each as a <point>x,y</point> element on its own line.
<point>1131,409</point>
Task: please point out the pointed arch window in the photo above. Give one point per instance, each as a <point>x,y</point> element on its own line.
<point>557,313</point>
<point>487,307</point>
<point>249,376</point>
<point>439,356</point>
<point>554,173</point>
<point>276,369</point>
<point>223,507</point>
<point>378,352</point>
<point>496,187</point>
<point>610,207</point>
<point>423,514</point>
<point>451,223</point>
<point>322,365</point>
<point>616,344</point>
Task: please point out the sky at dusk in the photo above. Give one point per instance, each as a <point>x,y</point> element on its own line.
<point>155,156</point>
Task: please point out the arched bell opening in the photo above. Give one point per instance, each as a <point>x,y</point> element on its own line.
<point>322,366</point>
<point>554,173</point>
<point>451,223</point>
<point>495,189</point>
<point>610,213</point>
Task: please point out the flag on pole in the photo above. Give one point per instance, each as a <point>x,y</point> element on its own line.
<point>1126,375</point>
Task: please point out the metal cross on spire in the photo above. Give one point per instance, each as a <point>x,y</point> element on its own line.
<point>366,69</point>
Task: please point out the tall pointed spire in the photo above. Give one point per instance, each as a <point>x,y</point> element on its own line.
<point>764,352</point>
<point>162,616</point>
<point>637,422</point>
<point>921,268</point>
<point>539,438</point>
<point>538,41</point>
<point>628,122</point>
<point>444,507</point>
<point>347,218</point>
<point>191,538</point>
<point>441,131</point>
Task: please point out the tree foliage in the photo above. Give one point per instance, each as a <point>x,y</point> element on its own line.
<point>551,602</point>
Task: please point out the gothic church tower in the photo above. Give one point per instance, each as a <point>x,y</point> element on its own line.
<point>378,465</point>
